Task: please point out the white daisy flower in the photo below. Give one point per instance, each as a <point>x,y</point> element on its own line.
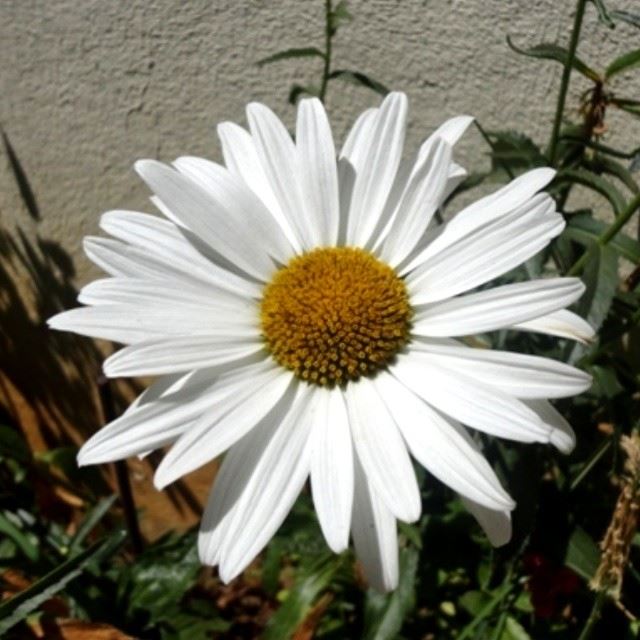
<point>305,314</point>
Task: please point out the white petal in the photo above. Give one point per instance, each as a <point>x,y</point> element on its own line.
<point>231,483</point>
<point>242,160</point>
<point>513,195</point>
<point>472,228</point>
<point>375,177</point>
<point>495,523</point>
<point>139,291</point>
<point>422,196</point>
<point>279,160</point>
<point>332,468</point>
<point>563,437</point>
<point>129,323</point>
<point>185,353</point>
<point>498,248</point>
<point>450,131</point>
<point>519,375</point>
<point>234,231</point>
<point>166,242</point>
<point>318,170</point>
<point>496,308</point>
<point>562,323</point>
<point>469,401</point>
<point>276,481</point>
<point>443,447</point>
<point>162,414</point>
<point>356,144</point>
<point>240,202</point>
<point>225,423</point>
<point>375,537</point>
<point>382,451</point>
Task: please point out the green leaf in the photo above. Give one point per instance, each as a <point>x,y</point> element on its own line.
<point>605,382</point>
<point>603,14</point>
<point>624,63</point>
<point>355,77</point>
<point>513,630</point>
<point>298,90</point>
<point>604,164</point>
<point>583,555</point>
<point>627,16</point>
<point>551,51</point>
<point>630,106</point>
<point>289,54</point>
<point>339,16</point>
<point>91,519</point>
<point>384,614</point>
<point>601,277</point>
<point>301,597</point>
<point>585,229</point>
<point>595,182</point>
<point>514,150</point>
<point>22,539</point>
<point>27,601</point>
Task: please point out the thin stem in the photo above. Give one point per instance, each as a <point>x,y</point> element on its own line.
<point>122,472</point>
<point>594,616</point>
<point>488,140</point>
<point>608,234</point>
<point>487,610</point>
<point>328,37</point>
<point>566,75</point>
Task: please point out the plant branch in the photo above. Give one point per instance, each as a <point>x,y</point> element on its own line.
<point>328,34</point>
<point>566,75</point>
<point>594,616</point>
<point>608,234</point>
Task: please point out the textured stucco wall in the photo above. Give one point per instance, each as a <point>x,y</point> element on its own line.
<point>88,86</point>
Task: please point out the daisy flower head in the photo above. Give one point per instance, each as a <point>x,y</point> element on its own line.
<point>304,313</point>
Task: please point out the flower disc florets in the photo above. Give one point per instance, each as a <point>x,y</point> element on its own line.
<point>335,314</point>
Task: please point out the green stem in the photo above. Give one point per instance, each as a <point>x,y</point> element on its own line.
<point>566,75</point>
<point>594,616</point>
<point>328,37</point>
<point>487,610</point>
<point>608,234</point>
<point>489,142</point>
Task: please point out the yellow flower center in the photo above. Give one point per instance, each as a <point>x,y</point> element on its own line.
<point>333,315</point>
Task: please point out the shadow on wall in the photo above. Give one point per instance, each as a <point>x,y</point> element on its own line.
<point>48,379</point>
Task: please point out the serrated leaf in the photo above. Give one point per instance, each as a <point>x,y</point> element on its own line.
<point>515,150</point>
<point>583,555</point>
<point>289,54</point>
<point>355,77</point>
<point>309,584</point>
<point>593,181</point>
<point>626,16</point>
<point>585,229</point>
<point>385,614</point>
<point>552,51</point>
<point>624,63</point>
<point>27,601</point>
<point>601,278</point>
